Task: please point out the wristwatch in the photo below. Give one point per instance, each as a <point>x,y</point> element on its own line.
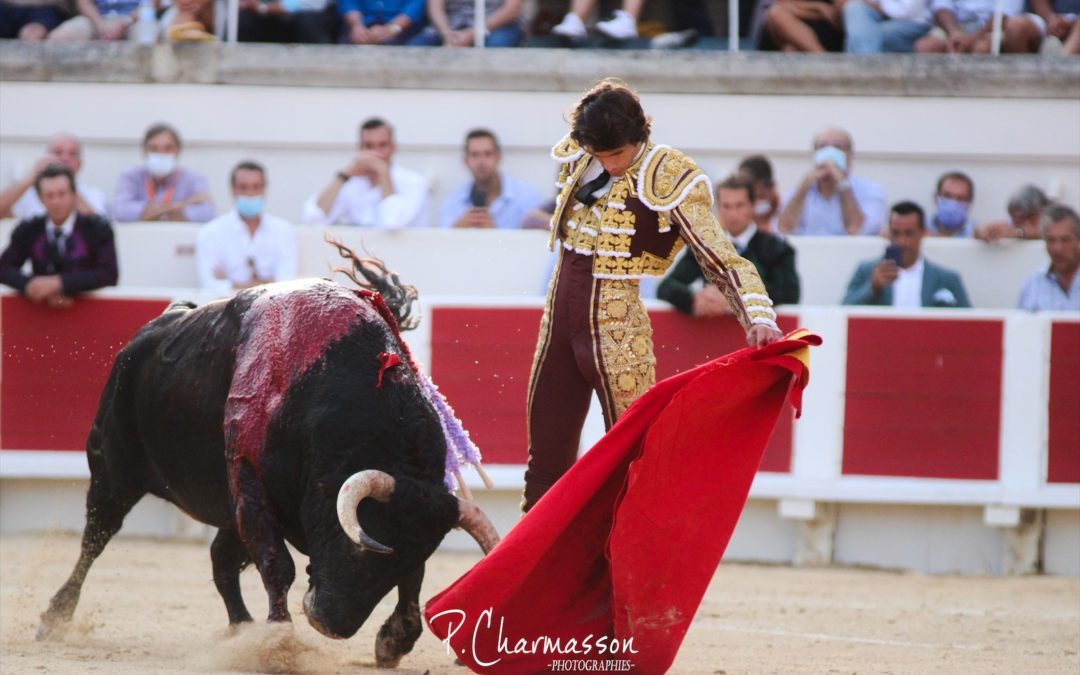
<point>343,177</point>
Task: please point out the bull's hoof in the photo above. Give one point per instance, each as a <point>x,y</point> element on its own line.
<point>387,654</point>
<point>52,629</point>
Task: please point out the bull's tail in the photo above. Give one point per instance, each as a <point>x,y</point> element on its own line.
<point>399,297</point>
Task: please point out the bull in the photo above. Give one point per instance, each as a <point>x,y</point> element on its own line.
<point>289,413</point>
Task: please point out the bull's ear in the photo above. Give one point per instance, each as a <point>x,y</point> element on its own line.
<point>330,484</point>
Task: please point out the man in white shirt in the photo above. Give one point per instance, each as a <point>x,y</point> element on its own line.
<point>830,200</point>
<point>22,202</point>
<point>371,191</point>
<point>492,199</point>
<point>875,26</point>
<point>966,26</point>
<point>903,277</point>
<point>246,246</point>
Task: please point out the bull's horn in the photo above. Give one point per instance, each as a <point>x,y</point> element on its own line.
<point>371,483</point>
<point>475,522</point>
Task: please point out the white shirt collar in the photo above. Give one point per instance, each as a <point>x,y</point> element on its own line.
<point>68,226</point>
<point>743,240</point>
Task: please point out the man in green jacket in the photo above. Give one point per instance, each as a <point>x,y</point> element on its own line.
<point>773,257</point>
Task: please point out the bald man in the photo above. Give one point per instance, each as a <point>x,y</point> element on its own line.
<point>21,201</point>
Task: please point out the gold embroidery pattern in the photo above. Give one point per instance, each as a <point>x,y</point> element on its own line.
<point>624,341</point>
<point>667,175</point>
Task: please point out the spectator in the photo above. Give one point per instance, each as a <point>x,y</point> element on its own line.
<point>98,20</point>
<point>1056,289</point>
<point>1026,33</point>
<point>372,190</point>
<point>453,24</point>
<point>804,26</point>
<point>246,246</point>
<point>381,22</point>
<point>952,204</point>
<point>22,202</point>
<point>766,196</point>
<point>1025,209</point>
<point>904,278</point>
<point>830,200</point>
<point>189,21</point>
<point>872,27</point>
<point>491,199</point>
<point>69,252</point>
<point>30,20</point>
<point>622,26</point>
<point>773,257</point>
<point>301,21</point>
<point>160,189</point>
<point>964,26</point>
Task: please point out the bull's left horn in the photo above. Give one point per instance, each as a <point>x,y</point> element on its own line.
<point>371,483</point>
<point>475,522</point>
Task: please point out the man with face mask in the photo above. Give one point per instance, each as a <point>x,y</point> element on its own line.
<point>21,199</point>
<point>160,189</point>
<point>766,195</point>
<point>246,246</point>
<point>830,200</point>
<point>952,206</point>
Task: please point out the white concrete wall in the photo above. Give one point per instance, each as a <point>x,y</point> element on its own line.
<point>305,134</point>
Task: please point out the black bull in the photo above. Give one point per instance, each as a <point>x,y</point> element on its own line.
<point>265,416</point>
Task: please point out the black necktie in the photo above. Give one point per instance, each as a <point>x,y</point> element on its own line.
<point>585,192</point>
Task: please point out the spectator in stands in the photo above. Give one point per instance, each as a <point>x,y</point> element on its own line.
<point>372,190</point>
<point>872,27</point>
<point>1053,20</point>
<point>21,201</point>
<point>452,24</point>
<point>189,21</point>
<point>69,252</point>
<point>952,204</point>
<point>492,199</point>
<point>773,257</point>
<point>246,246</point>
<point>1057,288</point>
<point>160,189</point>
<point>381,22</point>
<point>804,26</point>
<point>1025,209</point>
<point>965,26</point>
<point>903,277</point>
<point>31,20</point>
<point>97,20</point>
<point>302,21</point>
<point>766,196</point>
<point>830,199</point>
<point>622,26</point>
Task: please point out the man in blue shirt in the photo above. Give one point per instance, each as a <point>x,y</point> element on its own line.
<point>1056,288</point>
<point>492,199</point>
<point>381,22</point>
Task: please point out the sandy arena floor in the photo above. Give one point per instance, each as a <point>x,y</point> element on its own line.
<point>150,607</point>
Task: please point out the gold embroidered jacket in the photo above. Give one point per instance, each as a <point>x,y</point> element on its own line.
<point>662,203</point>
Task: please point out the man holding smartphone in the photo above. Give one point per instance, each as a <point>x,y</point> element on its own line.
<point>493,199</point>
<point>903,277</point>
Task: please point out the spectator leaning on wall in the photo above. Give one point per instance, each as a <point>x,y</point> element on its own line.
<point>1025,209</point>
<point>903,277</point>
<point>246,246</point>
<point>1056,288</point>
<point>21,200</point>
<point>69,252</point>
<point>160,189</point>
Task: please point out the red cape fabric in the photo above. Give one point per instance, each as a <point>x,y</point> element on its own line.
<point>613,562</point>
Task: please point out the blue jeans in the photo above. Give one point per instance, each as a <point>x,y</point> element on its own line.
<point>868,31</point>
<point>506,36</point>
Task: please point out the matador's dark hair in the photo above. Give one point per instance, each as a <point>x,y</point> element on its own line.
<point>399,297</point>
<point>609,116</point>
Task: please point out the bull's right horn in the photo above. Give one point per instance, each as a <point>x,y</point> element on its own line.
<point>371,483</point>
<point>475,522</point>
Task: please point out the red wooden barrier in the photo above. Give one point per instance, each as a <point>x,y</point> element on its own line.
<point>1064,460</point>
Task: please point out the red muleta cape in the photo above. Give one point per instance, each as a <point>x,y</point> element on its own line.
<point>625,544</point>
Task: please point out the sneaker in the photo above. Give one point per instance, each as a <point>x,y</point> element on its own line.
<point>677,40</point>
<point>571,26</point>
<point>620,27</point>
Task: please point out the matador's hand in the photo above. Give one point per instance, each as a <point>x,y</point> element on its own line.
<point>760,335</point>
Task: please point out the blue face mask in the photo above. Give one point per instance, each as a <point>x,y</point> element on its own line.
<point>951,213</point>
<point>831,154</point>
<point>249,207</point>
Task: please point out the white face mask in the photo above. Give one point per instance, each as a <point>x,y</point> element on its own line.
<point>762,207</point>
<point>159,164</point>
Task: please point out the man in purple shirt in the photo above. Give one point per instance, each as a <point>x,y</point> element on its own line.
<point>69,252</point>
<point>160,189</point>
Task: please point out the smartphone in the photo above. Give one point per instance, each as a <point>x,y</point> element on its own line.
<point>893,253</point>
<point>477,197</point>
